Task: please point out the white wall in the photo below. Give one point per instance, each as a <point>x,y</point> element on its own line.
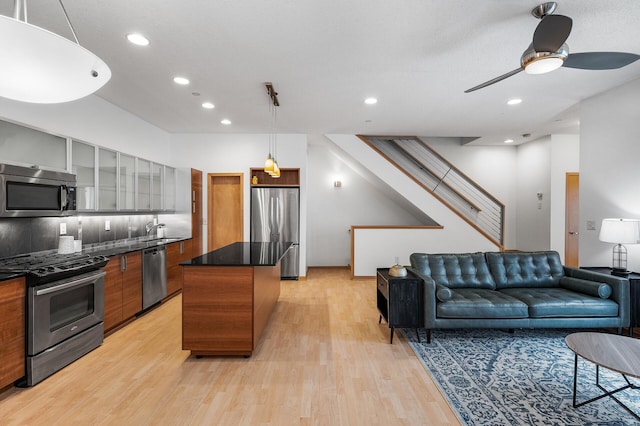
<point>96,121</point>
<point>533,177</point>
<point>565,158</point>
<point>609,170</point>
<point>332,211</point>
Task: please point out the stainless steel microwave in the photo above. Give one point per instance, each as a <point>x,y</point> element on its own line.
<point>31,192</point>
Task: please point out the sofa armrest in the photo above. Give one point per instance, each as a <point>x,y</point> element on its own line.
<point>619,289</point>
<point>429,298</point>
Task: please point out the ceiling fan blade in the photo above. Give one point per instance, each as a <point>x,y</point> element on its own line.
<point>495,80</point>
<point>600,60</point>
<point>551,33</point>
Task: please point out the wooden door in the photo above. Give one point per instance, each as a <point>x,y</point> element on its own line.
<point>196,212</point>
<point>572,240</point>
<point>225,209</point>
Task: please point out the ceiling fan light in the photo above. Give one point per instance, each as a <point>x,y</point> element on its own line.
<point>543,65</point>
<point>543,62</point>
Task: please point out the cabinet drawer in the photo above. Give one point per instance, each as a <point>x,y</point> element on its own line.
<point>383,286</point>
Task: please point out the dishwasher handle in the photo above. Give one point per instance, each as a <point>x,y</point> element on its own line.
<point>155,250</point>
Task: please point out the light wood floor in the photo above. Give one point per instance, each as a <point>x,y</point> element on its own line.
<point>322,360</point>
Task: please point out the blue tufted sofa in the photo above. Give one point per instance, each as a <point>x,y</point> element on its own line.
<point>517,290</point>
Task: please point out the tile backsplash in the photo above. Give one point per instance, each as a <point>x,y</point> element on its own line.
<point>26,235</point>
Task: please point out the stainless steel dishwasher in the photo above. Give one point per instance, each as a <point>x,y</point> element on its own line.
<point>154,275</point>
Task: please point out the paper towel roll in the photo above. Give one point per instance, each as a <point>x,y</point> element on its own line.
<point>65,244</point>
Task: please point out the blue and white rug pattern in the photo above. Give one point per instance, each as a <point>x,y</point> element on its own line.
<point>492,377</point>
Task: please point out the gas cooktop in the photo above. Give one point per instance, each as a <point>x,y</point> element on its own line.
<point>42,268</point>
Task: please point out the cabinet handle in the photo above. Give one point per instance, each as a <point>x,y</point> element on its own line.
<point>124,263</point>
<point>193,195</point>
<point>194,207</point>
<point>181,247</point>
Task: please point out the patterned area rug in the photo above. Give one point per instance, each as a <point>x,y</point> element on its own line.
<point>492,377</point>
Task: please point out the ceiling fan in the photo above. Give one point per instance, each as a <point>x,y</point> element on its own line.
<point>548,51</point>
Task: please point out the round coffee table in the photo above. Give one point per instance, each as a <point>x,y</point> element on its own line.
<point>611,351</point>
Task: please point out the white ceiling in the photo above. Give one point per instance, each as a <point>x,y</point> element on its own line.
<point>324,57</point>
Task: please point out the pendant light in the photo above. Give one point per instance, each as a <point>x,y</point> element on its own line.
<point>271,164</point>
<point>39,66</point>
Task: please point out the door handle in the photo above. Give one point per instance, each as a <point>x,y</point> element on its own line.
<point>573,233</point>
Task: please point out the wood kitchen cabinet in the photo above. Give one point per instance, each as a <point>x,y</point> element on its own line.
<point>196,212</point>
<point>12,329</point>
<point>176,252</point>
<point>288,177</point>
<point>122,289</point>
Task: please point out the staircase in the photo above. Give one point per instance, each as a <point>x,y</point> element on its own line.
<point>445,182</point>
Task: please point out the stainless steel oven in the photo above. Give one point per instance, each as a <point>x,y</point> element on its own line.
<point>61,309</point>
<point>65,321</point>
<point>27,192</point>
<point>65,309</point>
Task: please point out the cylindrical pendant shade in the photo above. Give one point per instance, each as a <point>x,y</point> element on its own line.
<point>620,231</point>
<point>276,170</point>
<point>269,164</point>
<point>39,66</point>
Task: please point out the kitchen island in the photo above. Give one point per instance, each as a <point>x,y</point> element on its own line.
<point>228,296</point>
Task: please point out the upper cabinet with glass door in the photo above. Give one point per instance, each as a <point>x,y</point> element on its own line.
<point>107,179</point>
<point>169,188</point>
<point>127,171</point>
<point>144,184</point>
<point>83,165</point>
<point>156,186</point>
<point>30,147</point>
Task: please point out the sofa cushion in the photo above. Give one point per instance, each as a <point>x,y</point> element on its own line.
<point>460,270</point>
<point>559,302</point>
<point>525,269</point>
<point>591,288</point>
<point>481,303</point>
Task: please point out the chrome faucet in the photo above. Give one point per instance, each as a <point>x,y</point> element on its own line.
<point>150,227</point>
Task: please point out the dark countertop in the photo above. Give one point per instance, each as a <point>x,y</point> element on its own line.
<point>112,249</point>
<point>242,254</point>
<point>117,248</point>
<point>9,276</point>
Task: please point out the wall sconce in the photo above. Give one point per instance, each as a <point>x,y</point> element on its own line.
<point>337,184</point>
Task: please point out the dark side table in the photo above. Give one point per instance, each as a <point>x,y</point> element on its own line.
<point>400,301</point>
<point>634,294</point>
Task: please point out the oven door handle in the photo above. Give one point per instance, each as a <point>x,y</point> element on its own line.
<point>70,284</point>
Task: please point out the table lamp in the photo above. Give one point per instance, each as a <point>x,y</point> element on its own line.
<point>619,232</point>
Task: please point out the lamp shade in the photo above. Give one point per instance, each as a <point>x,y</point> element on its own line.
<point>620,231</point>
<point>39,66</point>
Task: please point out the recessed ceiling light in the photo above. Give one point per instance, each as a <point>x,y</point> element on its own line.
<point>508,141</point>
<point>208,105</point>
<point>138,39</point>
<point>371,101</point>
<point>181,80</point>
<point>514,101</point>
<point>226,122</point>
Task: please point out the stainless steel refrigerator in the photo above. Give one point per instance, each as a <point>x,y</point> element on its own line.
<point>275,217</point>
